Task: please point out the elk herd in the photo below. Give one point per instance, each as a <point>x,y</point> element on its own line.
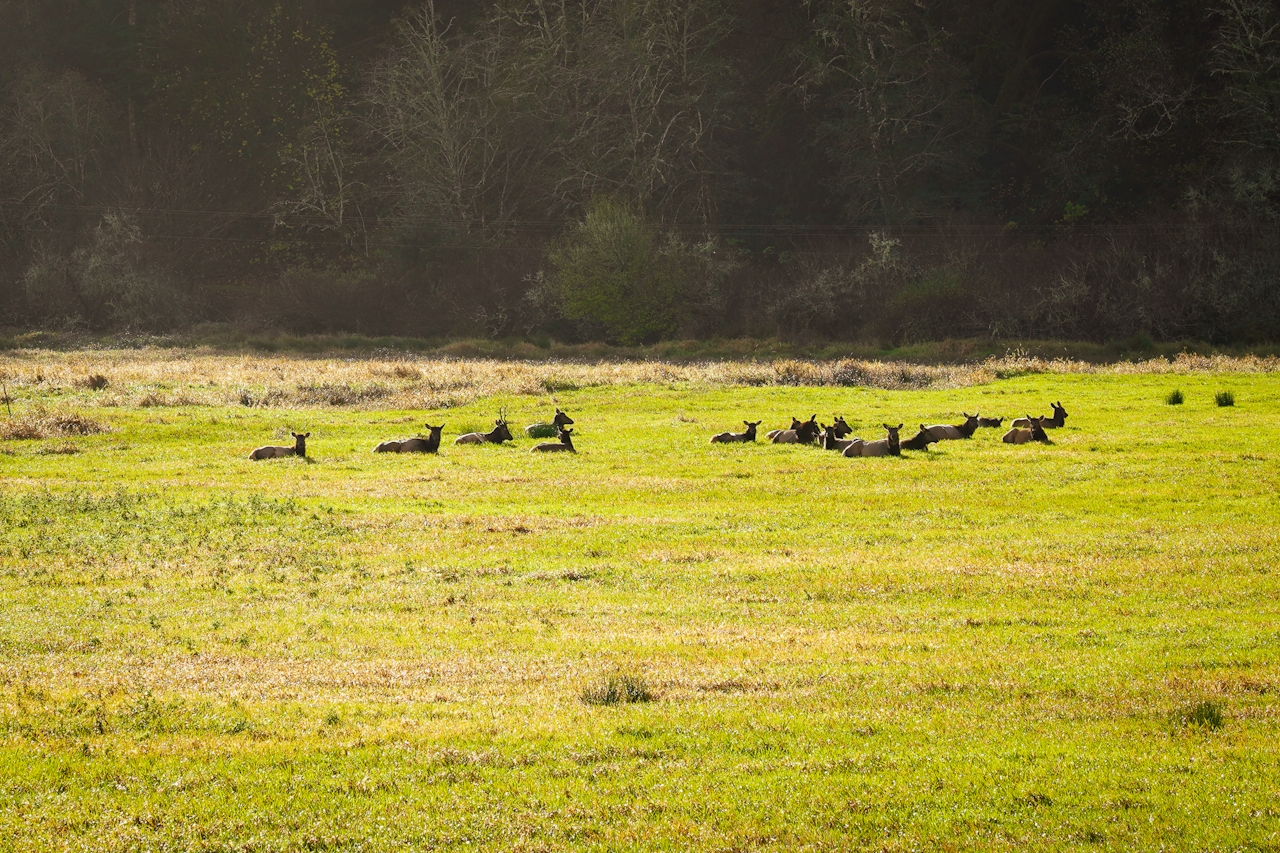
<point>430,443</point>
<point>837,435</point>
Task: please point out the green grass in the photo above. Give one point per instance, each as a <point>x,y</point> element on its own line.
<point>979,647</point>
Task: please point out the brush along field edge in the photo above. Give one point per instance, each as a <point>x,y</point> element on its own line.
<point>979,645</point>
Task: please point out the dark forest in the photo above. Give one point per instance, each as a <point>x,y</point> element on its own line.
<point>635,170</point>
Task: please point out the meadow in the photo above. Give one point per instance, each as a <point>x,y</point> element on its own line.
<point>981,646</point>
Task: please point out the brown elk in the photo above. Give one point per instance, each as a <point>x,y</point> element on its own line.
<point>990,422</point>
<point>430,444</point>
<point>888,446</point>
<point>749,435</point>
<point>276,451</point>
<point>919,441</point>
<point>801,432</point>
<point>1035,432</point>
<point>564,444</point>
<point>550,430</point>
<point>497,435</point>
<point>944,432</point>
<point>1059,418</point>
<point>831,438</point>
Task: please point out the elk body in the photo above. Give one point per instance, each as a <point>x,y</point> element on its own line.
<point>276,451</point>
<point>888,446</point>
<point>1034,432</point>
<point>946,432</point>
<point>1059,418</point>
<point>919,441</point>
<point>564,444</point>
<point>990,422</point>
<point>801,432</point>
<point>749,435</point>
<point>549,430</point>
<point>497,435</point>
<point>430,444</point>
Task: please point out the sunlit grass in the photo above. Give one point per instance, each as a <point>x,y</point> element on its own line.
<point>982,646</point>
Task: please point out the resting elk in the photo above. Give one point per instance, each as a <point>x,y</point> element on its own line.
<point>276,451</point>
<point>1059,418</point>
<point>944,432</point>
<point>497,435</point>
<point>549,430</point>
<point>726,437</point>
<point>564,444</point>
<point>430,444</point>
<point>888,446</point>
<point>1034,432</point>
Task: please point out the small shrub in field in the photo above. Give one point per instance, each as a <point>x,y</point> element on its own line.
<point>1175,398</point>
<point>617,690</point>
<point>1224,398</point>
<point>1207,715</point>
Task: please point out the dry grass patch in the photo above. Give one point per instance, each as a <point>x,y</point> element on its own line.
<point>40,424</point>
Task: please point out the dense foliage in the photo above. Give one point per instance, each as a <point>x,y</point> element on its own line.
<point>888,170</point>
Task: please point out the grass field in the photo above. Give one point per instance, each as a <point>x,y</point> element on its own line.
<point>978,647</point>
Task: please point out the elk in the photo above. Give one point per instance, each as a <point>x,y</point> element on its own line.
<point>919,441</point>
<point>832,439</point>
<point>1035,432</point>
<point>497,435</point>
<point>888,446</point>
<point>430,444</point>
<point>805,432</point>
<point>944,432</point>
<point>276,451</point>
<point>990,422</point>
<point>796,423</point>
<point>839,428</point>
<point>1059,418</point>
<point>550,430</point>
<point>565,443</point>
<point>749,435</point>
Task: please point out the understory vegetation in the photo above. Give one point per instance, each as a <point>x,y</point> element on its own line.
<point>653,643</point>
<point>887,171</point>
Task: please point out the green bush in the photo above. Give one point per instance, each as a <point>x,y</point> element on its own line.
<point>617,690</point>
<point>1175,398</point>
<point>1224,398</point>
<point>617,273</point>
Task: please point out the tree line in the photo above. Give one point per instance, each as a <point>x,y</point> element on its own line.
<point>630,170</point>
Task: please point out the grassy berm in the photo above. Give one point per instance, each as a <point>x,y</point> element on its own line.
<point>653,644</point>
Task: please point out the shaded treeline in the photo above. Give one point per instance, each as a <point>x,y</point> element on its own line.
<point>637,169</point>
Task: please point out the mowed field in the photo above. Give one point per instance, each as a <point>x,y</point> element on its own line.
<point>981,646</point>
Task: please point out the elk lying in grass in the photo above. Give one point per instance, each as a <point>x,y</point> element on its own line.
<point>831,438</point>
<point>919,441</point>
<point>550,430</point>
<point>430,444</point>
<point>801,432</point>
<point>564,444</point>
<point>1034,432</point>
<point>946,432</point>
<point>840,429</point>
<point>990,422</point>
<point>276,451</point>
<point>726,437</point>
<point>497,435</point>
<point>1059,418</point>
<point>888,446</point>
